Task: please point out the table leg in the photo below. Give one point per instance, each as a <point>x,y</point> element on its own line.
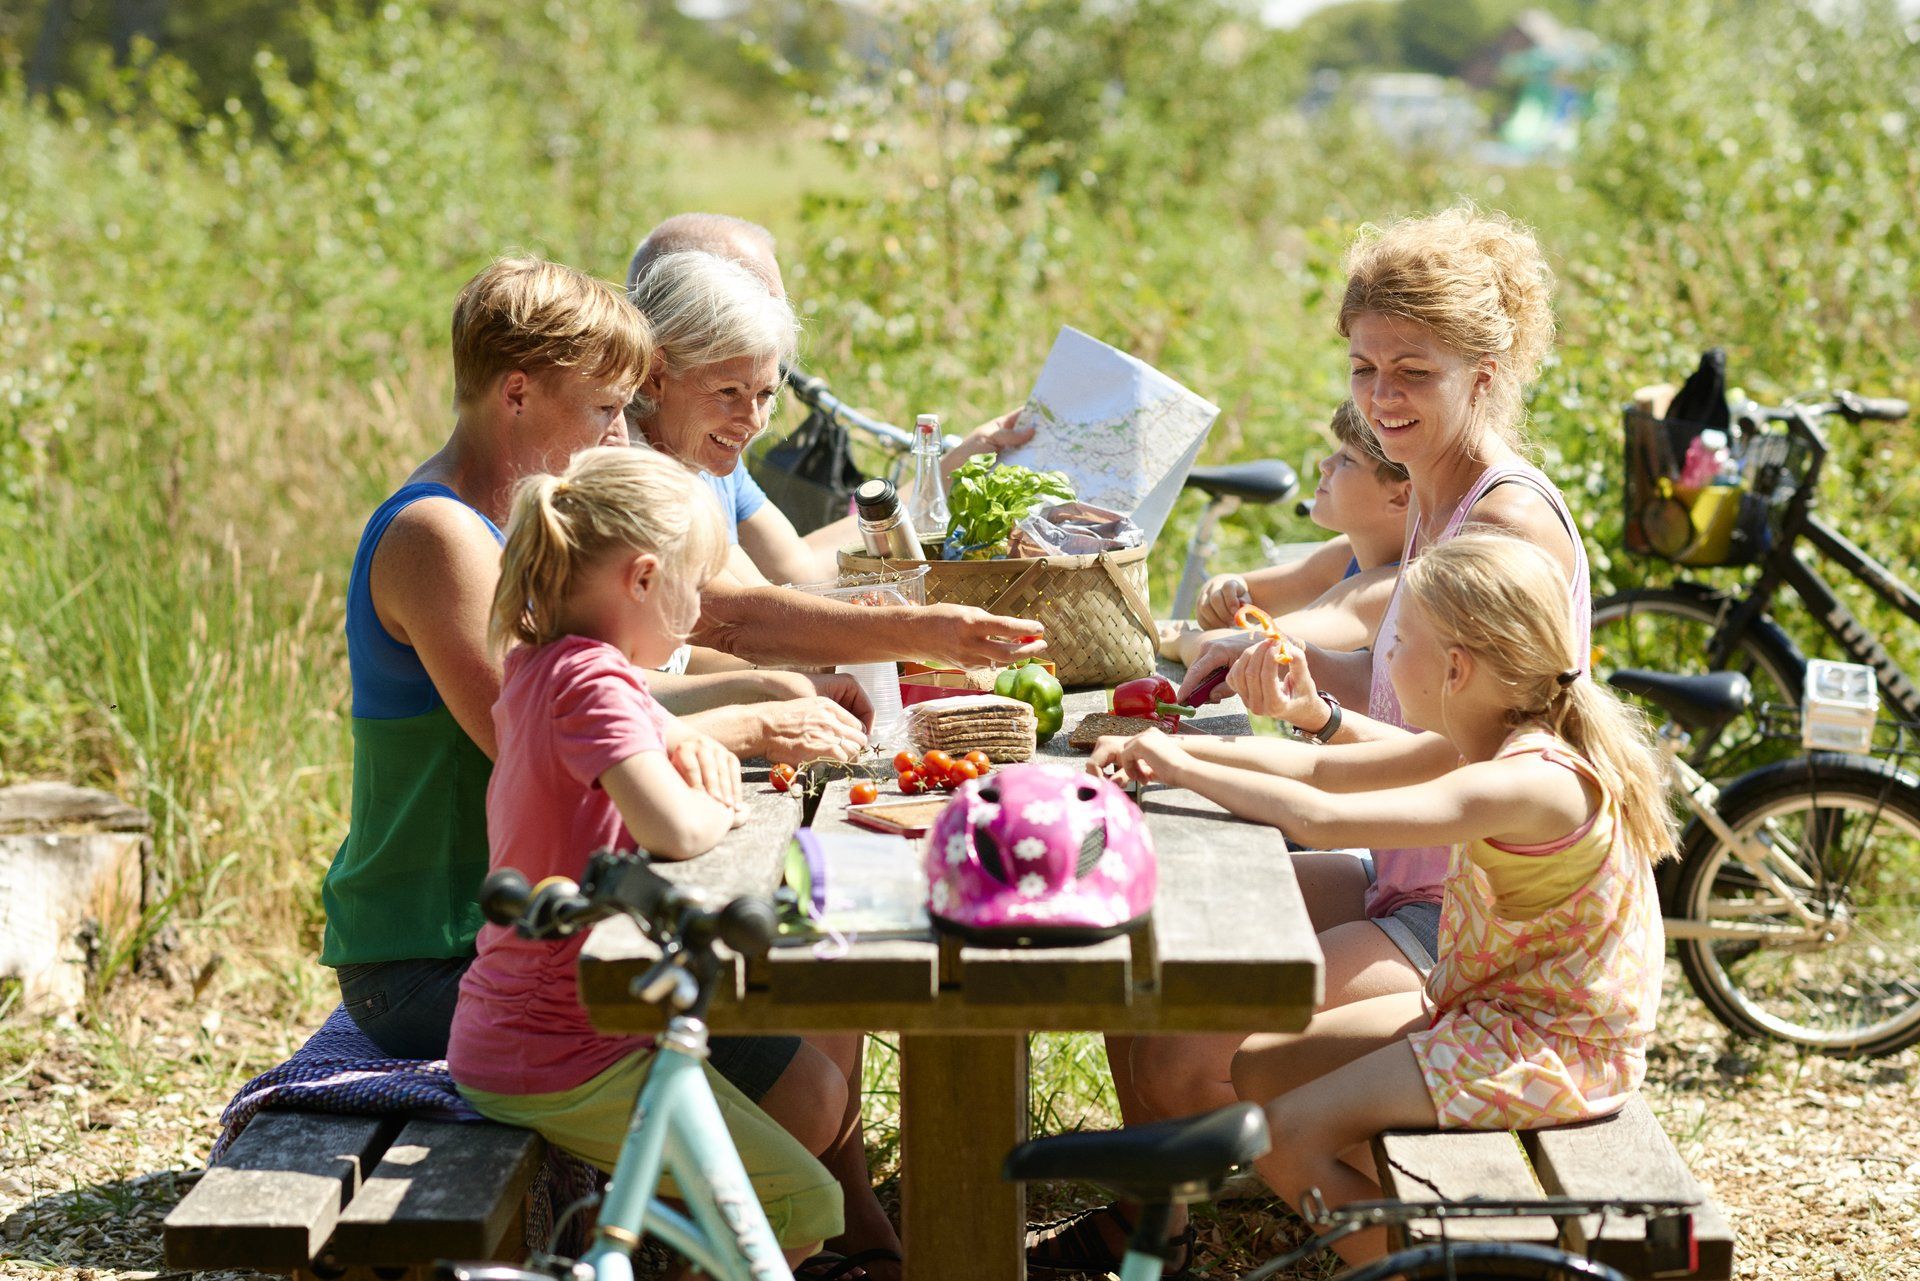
<point>963,1105</point>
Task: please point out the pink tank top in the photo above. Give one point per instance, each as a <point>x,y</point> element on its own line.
<point>1415,875</point>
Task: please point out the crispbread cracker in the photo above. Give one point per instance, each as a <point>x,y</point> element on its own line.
<point>1094,725</point>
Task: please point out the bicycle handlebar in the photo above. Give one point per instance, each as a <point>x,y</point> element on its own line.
<point>625,884</point>
<point>816,395</point>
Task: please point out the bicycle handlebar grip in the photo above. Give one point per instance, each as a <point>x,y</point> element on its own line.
<point>748,925</point>
<point>504,895</point>
<point>1885,408</point>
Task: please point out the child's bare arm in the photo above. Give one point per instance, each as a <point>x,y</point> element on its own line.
<point>1340,767</point>
<point>665,816</point>
<point>1524,801</point>
<point>1278,589</point>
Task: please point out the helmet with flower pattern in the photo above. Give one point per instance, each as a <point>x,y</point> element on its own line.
<point>1040,854</point>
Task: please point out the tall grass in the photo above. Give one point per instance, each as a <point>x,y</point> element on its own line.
<point>221,330</point>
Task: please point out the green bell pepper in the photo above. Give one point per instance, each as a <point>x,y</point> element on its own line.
<point>1037,687</point>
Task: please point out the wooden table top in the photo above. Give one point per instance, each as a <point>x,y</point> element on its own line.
<point>1228,946</point>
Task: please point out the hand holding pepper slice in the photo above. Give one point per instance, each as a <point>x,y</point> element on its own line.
<point>1149,696</point>
<point>1039,689</point>
<point>1255,619</point>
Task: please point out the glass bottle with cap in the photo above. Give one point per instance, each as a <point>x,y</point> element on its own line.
<point>886,531</point>
<point>928,508</point>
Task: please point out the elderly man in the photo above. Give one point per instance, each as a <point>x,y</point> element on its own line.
<point>721,336</point>
<point>767,538</point>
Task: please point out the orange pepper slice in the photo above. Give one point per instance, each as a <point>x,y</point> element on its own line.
<point>1255,619</point>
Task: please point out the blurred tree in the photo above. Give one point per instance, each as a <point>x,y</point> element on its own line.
<point>1441,35</point>
<point>1357,36</point>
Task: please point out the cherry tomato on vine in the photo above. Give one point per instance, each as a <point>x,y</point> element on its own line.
<point>864,793</point>
<point>782,777</point>
<point>981,762</point>
<point>904,761</point>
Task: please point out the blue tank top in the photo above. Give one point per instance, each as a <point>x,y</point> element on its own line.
<point>389,680</point>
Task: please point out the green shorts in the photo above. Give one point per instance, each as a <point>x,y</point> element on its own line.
<point>801,1199</point>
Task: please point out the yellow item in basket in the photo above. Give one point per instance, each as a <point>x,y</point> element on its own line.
<point>1715,515</point>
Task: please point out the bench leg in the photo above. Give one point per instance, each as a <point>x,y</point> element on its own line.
<point>963,1105</point>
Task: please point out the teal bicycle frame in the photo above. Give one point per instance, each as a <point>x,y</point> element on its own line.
<point>677,1129</point>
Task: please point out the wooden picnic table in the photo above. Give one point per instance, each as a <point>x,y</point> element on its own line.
<point>1228,948</point>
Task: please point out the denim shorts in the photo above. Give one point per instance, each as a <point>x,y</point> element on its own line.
<point>406,1008</point>
<point>1413,927</point>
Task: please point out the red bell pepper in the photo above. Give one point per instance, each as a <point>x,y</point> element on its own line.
<point>1149,696</point>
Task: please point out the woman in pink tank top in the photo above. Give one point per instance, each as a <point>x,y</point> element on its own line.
<point>1447,319</point>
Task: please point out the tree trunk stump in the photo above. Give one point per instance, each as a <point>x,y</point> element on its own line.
<point>72,869</point>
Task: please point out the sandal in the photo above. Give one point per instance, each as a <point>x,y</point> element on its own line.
<point>828,1265</point>
<point>1075,1246</point>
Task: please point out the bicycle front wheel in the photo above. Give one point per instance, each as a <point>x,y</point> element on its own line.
<point>1668,629</point>
<point>1842,835</point>
<point>1478,1259</point>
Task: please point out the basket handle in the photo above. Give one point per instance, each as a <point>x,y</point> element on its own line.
<point>1135,598</point>
<point>999,602</point>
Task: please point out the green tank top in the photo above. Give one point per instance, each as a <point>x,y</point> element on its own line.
<point>402,884</point>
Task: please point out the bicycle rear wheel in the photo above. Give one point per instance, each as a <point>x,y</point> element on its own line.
<point>1668,629</point>
<point>1477,1259</point>
<point>1851,827</point>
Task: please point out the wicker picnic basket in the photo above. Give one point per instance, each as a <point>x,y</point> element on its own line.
<point>1099,624</point>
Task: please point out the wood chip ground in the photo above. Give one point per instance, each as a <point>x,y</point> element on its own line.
<point>104,1125</point>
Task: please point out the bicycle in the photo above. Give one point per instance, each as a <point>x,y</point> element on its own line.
<point>677,1126</point>
<point>821,443</point>
<point>1184,1162</point>
<point>1794,904</point>
<point>1693,626</point>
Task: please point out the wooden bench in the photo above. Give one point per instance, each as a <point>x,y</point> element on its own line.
<point>1624,1156</point>
<point>314,1194</point>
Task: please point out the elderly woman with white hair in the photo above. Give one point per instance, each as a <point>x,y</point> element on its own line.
<point>720,340</point>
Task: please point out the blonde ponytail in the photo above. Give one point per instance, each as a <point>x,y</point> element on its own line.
<point>608,499</point>
<point>1504,601</point>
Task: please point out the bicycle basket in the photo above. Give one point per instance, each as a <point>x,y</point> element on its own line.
<point>1689,499</point>
<point>810,475</point>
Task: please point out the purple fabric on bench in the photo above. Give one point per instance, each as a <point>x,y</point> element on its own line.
<point>339,1069</point>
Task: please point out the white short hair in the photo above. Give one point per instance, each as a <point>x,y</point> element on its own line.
<point>704,309</point>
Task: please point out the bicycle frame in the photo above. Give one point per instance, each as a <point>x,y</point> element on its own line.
<point>677,1129</point>
<point>1832,613</point>
<point>1780,873</point>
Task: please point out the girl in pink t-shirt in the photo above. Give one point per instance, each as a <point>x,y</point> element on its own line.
<point>600,581</point>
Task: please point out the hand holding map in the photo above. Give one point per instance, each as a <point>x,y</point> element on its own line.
<point>1121,430</point>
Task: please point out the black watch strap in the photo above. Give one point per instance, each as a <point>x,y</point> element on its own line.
<point>1332,727</point>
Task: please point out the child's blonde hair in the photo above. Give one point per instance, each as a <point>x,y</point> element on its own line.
<point>1476,279</point>
<point>526,313</point>
<point>1504,601</point>
<point>608,499</point>
<point>1351,428</point>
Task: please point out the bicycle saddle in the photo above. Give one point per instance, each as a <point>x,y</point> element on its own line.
<point>1147,1161</point>
<point>1267,481</point>
<point>1710,698</point>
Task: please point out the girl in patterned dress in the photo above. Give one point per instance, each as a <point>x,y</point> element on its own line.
<point>1548,975</point>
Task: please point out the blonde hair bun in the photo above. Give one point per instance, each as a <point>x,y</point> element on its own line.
<point>1476,278</point>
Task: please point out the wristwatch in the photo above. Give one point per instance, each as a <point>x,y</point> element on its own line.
<point>1327,731</point>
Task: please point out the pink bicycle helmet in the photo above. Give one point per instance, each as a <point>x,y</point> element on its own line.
<point>1040,854</point>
